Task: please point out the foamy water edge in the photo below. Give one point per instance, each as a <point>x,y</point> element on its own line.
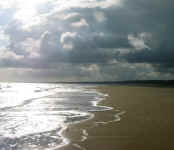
<point>84,137</point>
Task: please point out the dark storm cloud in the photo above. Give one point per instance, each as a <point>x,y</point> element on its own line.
<point>134,17</point>
<point>155,17</point>
<point>134,32</point>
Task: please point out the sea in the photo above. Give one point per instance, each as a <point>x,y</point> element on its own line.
<point>34,115</point>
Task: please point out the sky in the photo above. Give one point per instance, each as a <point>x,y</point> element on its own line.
<point>86,40</point>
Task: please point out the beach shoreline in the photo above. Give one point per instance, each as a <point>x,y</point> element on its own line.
<point>135,122</point>
<point>75,133</point>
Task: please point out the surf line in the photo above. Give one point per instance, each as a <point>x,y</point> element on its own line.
<point>91,115</point>
<point>117,118</point>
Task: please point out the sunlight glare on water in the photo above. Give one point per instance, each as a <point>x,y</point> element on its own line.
<point>33,115</point>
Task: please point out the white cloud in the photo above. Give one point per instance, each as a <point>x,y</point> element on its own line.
<point>67,35</point>
<point>4,4</point>
<point>91,68</point>
<point>63,5</point>
<point>66,40</point>
<point>27,12</point>
<point>4,39</point>
<point>68,46</point>
<point>45,34</point>
<point>32,47</point>
<point>92,71</point>
<point>100,17</point>
<point>139,42</point>
<point>71,15</point>
<point>9,55</point>
<point>29,17</point>
<point>80,23</point>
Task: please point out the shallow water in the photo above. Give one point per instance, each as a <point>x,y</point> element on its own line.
<point>32,116</point>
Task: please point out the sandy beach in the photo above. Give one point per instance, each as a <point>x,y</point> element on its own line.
<point>141,119</point>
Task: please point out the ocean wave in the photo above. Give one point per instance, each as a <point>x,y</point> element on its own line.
<point>35,115</point>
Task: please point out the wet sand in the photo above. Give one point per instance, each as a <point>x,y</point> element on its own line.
<point>142,118</point>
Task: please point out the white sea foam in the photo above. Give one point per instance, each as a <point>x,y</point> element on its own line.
<point>116,118</point>
<point>35,115</point>
<point>84,135</point>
